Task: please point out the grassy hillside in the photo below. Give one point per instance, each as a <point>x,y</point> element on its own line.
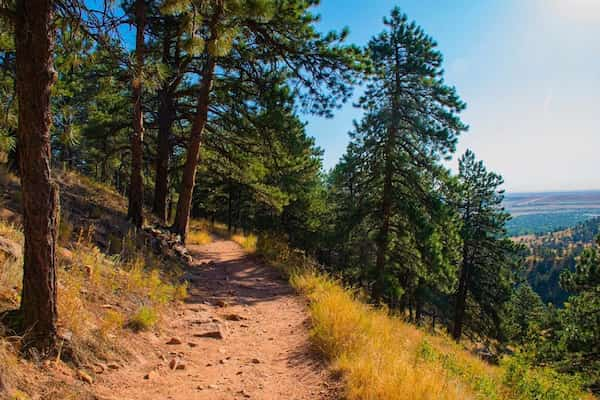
<point>110,288</point>
<point>381,357</point>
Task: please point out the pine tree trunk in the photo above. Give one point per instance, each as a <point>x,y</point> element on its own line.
<point>383,237</point>
<point>166,111</point>
<point>136,187</point>
<point>188,181</point>
<point>161,184</point>
<point>461,301</point>
<point>35,75</point>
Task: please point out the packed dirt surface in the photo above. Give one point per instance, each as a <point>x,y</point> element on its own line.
<point>242,334</point>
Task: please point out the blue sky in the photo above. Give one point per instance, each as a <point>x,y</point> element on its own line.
<point>529,71</point>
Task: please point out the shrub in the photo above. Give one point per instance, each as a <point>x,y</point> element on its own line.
<point>199,237</point>
<point>539,383</point>
<point>248,242</point>
<point>144,319</point>
<point>111,321</point>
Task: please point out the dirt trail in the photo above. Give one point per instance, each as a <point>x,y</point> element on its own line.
<point>264,352</point>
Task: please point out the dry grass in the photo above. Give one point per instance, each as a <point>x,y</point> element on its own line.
<point>381,357</point>
<point>248,242</point>
<point>9,366</point>
<point>201,232</point>
<point>11,272</point>
<point>199,237</point>
<point>99,299</point>
<point>11,232</point>
<point>120,288</point>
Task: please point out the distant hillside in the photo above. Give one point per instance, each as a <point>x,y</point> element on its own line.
<point>551,253</point>
<point>540,213</point>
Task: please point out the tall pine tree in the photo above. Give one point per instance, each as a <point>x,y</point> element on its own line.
<point>488,256</point>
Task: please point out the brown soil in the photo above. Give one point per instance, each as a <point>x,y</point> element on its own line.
<point>264,352</point>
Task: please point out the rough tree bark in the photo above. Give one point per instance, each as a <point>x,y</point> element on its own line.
<point>386,206</point>
<point>136,187</point>
<point>461,299</point>
<point>166,111</point>
<point>188,181</point>
<point>35,75</point>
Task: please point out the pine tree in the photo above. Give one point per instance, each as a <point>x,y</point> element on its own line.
<point>523,315</point>
<point>136,186</point>
<point>488,257</point>
<point>34,45</point>
<point>580,319</point>
<point>169,32</point>
<point>411,121</point>
<point>237,35</point>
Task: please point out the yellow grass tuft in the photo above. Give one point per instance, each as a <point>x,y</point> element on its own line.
<point>144,319</point>
<point>248,242</point>
<point>11,270</point>
<point>9,366</point>
<point>199,237</point>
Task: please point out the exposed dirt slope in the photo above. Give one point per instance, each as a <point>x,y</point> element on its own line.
<point>264,351</point>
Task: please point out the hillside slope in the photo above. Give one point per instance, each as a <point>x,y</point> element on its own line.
<point>554,252</point>
<point>241,329</point>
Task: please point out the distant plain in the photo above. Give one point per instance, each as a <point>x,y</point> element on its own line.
<point>544,212</point>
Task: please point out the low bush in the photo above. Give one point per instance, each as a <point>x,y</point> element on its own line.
<point>539,383</point>
<point>144,319</point>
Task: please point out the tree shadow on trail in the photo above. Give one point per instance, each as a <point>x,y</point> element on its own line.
<point>238,281</point>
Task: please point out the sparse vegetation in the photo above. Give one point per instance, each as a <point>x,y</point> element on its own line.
<point>380,356</point>
<point>201,232</point>
<point>144,319</point>
<point>248,242</point>
<point>100,296</point>
<point>199,237</point>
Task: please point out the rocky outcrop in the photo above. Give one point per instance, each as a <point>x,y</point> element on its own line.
<point>168,244</point>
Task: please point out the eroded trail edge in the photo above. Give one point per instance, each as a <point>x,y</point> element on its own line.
<point>242,333</point>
